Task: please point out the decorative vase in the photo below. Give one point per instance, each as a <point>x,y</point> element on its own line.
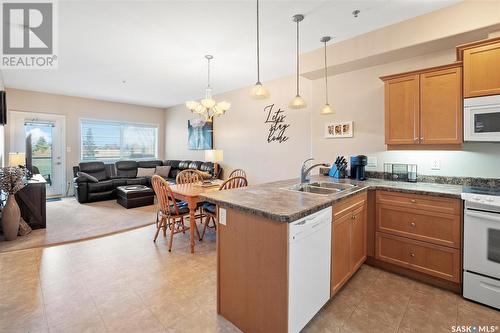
<point>11,215</point>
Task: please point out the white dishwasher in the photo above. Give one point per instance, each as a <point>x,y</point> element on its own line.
<point>309,253</point>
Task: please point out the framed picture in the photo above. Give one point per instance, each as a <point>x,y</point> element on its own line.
<point>341,129</point>
<point>200,135</point>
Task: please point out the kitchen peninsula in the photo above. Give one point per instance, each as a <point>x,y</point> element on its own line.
<point>269,280</point>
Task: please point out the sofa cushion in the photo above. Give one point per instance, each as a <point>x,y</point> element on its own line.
<point>145,172</point>
<point>149,164</point>
<point>126,169</point>
<point>96,169</point>
<point>207,167</point>
<point>101,186</point>
<point>184,165</point>
<point>83,176</point>
<point>163,170</point>
<point>195,165</point>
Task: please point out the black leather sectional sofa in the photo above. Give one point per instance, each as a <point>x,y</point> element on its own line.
<point>121,173</point>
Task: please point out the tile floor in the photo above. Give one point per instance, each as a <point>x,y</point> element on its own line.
<point>126,283</point>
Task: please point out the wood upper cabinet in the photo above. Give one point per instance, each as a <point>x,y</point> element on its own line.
<point>348,239</point>
<point>402,110</point>
<point>481,67</point>
<point>424,107</point>
<point>441,106</point>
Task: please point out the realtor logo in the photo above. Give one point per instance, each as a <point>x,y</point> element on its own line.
<point>28,35</point>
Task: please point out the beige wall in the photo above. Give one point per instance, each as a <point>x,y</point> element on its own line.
<point>74,109</point>
<point>242,134</point>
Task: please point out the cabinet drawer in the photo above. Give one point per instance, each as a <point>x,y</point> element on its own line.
<point>346,206</point>
<point>435,260</point>
<point>420,202</point>
<point>433,227</point>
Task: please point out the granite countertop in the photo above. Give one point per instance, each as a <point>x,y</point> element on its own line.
<point>276,202</point>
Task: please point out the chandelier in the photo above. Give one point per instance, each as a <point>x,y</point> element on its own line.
<point>208,108</point>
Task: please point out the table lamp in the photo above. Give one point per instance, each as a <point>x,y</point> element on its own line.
<point>17,159</point>
<point>215,156</point>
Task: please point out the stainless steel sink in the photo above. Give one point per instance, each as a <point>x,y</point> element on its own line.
<point>321,188</point>
<point>338,186</point>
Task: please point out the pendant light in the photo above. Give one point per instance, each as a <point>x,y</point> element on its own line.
<point>208,108</point>
<point>298,102</point>
<point>258,91</point>
<point>326,109</point>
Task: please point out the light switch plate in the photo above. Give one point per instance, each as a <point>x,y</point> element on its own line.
<point>222,216</point>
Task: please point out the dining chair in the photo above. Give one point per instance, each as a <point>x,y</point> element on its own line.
<point>238,173</point>
<point>210,210</point>
<point>188,176</point>
<point>170,213</point>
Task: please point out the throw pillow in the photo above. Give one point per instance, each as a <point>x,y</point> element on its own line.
<point>205,175</point>
<point>145,172</point>
<point>88,177</point>
<point>163,171</point>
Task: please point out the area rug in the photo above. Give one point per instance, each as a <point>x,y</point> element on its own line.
<point>70,221</point>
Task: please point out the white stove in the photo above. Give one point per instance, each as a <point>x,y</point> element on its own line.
<point>481,272</point>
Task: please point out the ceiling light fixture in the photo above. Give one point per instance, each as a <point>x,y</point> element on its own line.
<point>258,91</point>
<point>208,108</point>
<point>298,102</point>
<point>327,109</point>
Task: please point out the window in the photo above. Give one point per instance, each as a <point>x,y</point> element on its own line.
<point>110,141</point>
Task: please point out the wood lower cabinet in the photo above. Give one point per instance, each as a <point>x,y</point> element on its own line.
<point>481,67</point>
<point>348,239</point>
<point>424,107</point>
<point>420,233</point>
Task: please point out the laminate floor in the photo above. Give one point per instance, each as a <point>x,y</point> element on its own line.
<point>127,283</point>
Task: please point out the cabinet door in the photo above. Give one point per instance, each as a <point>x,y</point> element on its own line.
<point>402,110</point>
<point>358,238</point>
<point>441,107</point>
<point>341,242</point>
<point>482,70</point>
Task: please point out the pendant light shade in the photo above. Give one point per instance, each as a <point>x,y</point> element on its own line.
<point>326,109</point>
<point>258,91</point>
<point>298,102</point>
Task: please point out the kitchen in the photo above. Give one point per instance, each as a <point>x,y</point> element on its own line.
<point>286,248</point>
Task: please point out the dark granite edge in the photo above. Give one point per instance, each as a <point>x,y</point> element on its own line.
<point>285,218</point>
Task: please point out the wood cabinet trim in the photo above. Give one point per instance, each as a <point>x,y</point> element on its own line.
<point>420,201</point>
<point>469,90</point>
<point>347,205</point>
<point>421,71</point>
<point>461,48</point>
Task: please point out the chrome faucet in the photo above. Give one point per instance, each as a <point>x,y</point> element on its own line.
<point>304,172</point>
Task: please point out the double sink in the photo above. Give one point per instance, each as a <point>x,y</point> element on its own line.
<point>321,188</point>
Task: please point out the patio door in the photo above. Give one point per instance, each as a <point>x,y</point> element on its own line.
<point>47,141</point>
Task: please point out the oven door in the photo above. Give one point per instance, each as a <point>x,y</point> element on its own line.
<point>482,119</point>
<point>482,243</point>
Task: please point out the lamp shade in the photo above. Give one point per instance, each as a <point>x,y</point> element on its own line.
<point>298,103</point>
<point>16,159</point>
<point>327,109</point>
<point>214,155</point>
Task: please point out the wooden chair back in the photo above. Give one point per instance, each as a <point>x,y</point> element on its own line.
<point>188,176</point>
<point>234,182</point>
<point>164,195</point>
<point>238,173</point>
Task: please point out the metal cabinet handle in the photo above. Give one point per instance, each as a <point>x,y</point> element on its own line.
<point>412,254</point>
<point>413,201</point>
<point>413,224</point>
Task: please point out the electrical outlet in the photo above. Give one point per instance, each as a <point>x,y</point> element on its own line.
<point>222,216</point>
<point>436,165</point>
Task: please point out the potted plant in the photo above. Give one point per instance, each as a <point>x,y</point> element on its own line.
<point>12,179</point>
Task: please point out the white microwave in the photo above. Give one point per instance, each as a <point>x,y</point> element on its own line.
<point>482,119</point>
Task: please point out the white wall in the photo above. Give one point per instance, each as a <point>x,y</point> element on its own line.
<point>242,134</point>
<point>74,109</point>
<point>359,96</point>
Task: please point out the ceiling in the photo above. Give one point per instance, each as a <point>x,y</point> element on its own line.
<point>152,52</point>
